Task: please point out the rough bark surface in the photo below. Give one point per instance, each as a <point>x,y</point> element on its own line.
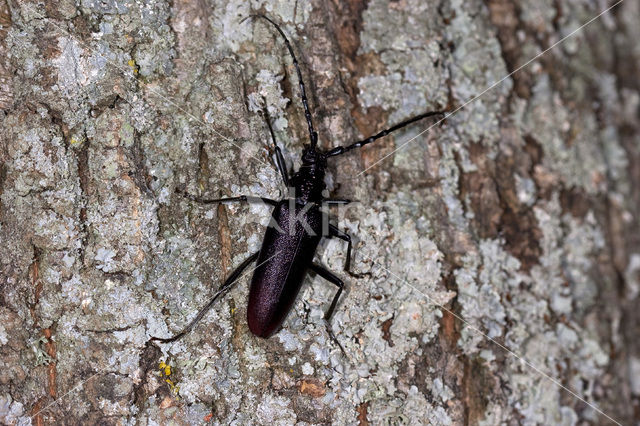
<point>512,225</point>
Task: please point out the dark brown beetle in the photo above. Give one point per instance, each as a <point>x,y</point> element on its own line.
<point>290,243</point>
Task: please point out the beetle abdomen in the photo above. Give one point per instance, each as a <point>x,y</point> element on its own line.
<point>282,264</point>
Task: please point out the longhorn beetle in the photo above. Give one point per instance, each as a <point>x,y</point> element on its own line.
<point>288,249</point>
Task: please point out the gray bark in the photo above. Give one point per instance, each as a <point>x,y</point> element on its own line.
<point>502,246</point>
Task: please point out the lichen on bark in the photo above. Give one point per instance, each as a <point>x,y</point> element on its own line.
<point>509,230</point>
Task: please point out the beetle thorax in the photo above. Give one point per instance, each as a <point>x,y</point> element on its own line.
<point>308,181</point>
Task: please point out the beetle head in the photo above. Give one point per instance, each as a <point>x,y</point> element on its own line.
<point>311,156</point>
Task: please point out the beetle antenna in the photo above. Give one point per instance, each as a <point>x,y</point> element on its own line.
<point>342,149</point>
<point>313,135</point>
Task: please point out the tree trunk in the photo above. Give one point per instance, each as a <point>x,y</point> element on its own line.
<point>501,246</point>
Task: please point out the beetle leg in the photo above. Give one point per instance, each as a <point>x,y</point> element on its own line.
<point>334,231</point>
<point>240,198</point>
<point>282,166</point>
<point>223,289</point>
<point>329,276</point>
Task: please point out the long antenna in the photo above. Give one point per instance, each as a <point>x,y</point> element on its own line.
<point>313,135</point>
<point>342,149</point>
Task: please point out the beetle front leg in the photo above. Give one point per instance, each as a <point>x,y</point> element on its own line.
<point>334,231</point>
<point>282,166</point>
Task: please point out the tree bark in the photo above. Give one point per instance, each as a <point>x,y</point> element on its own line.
<point>501,246</point>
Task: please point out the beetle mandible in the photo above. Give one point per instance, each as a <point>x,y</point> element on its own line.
<point>288,249</point>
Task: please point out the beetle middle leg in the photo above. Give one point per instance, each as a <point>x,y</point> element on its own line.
<point>223,289</point>
<point>334,231</point>
<point>240,199</point>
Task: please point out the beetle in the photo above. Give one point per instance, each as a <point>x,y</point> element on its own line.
<point>289,245</point>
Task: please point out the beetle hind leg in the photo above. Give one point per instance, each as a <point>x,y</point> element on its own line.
<point>222,290</point>
<point>334,231</point>
<point>329,276</point>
